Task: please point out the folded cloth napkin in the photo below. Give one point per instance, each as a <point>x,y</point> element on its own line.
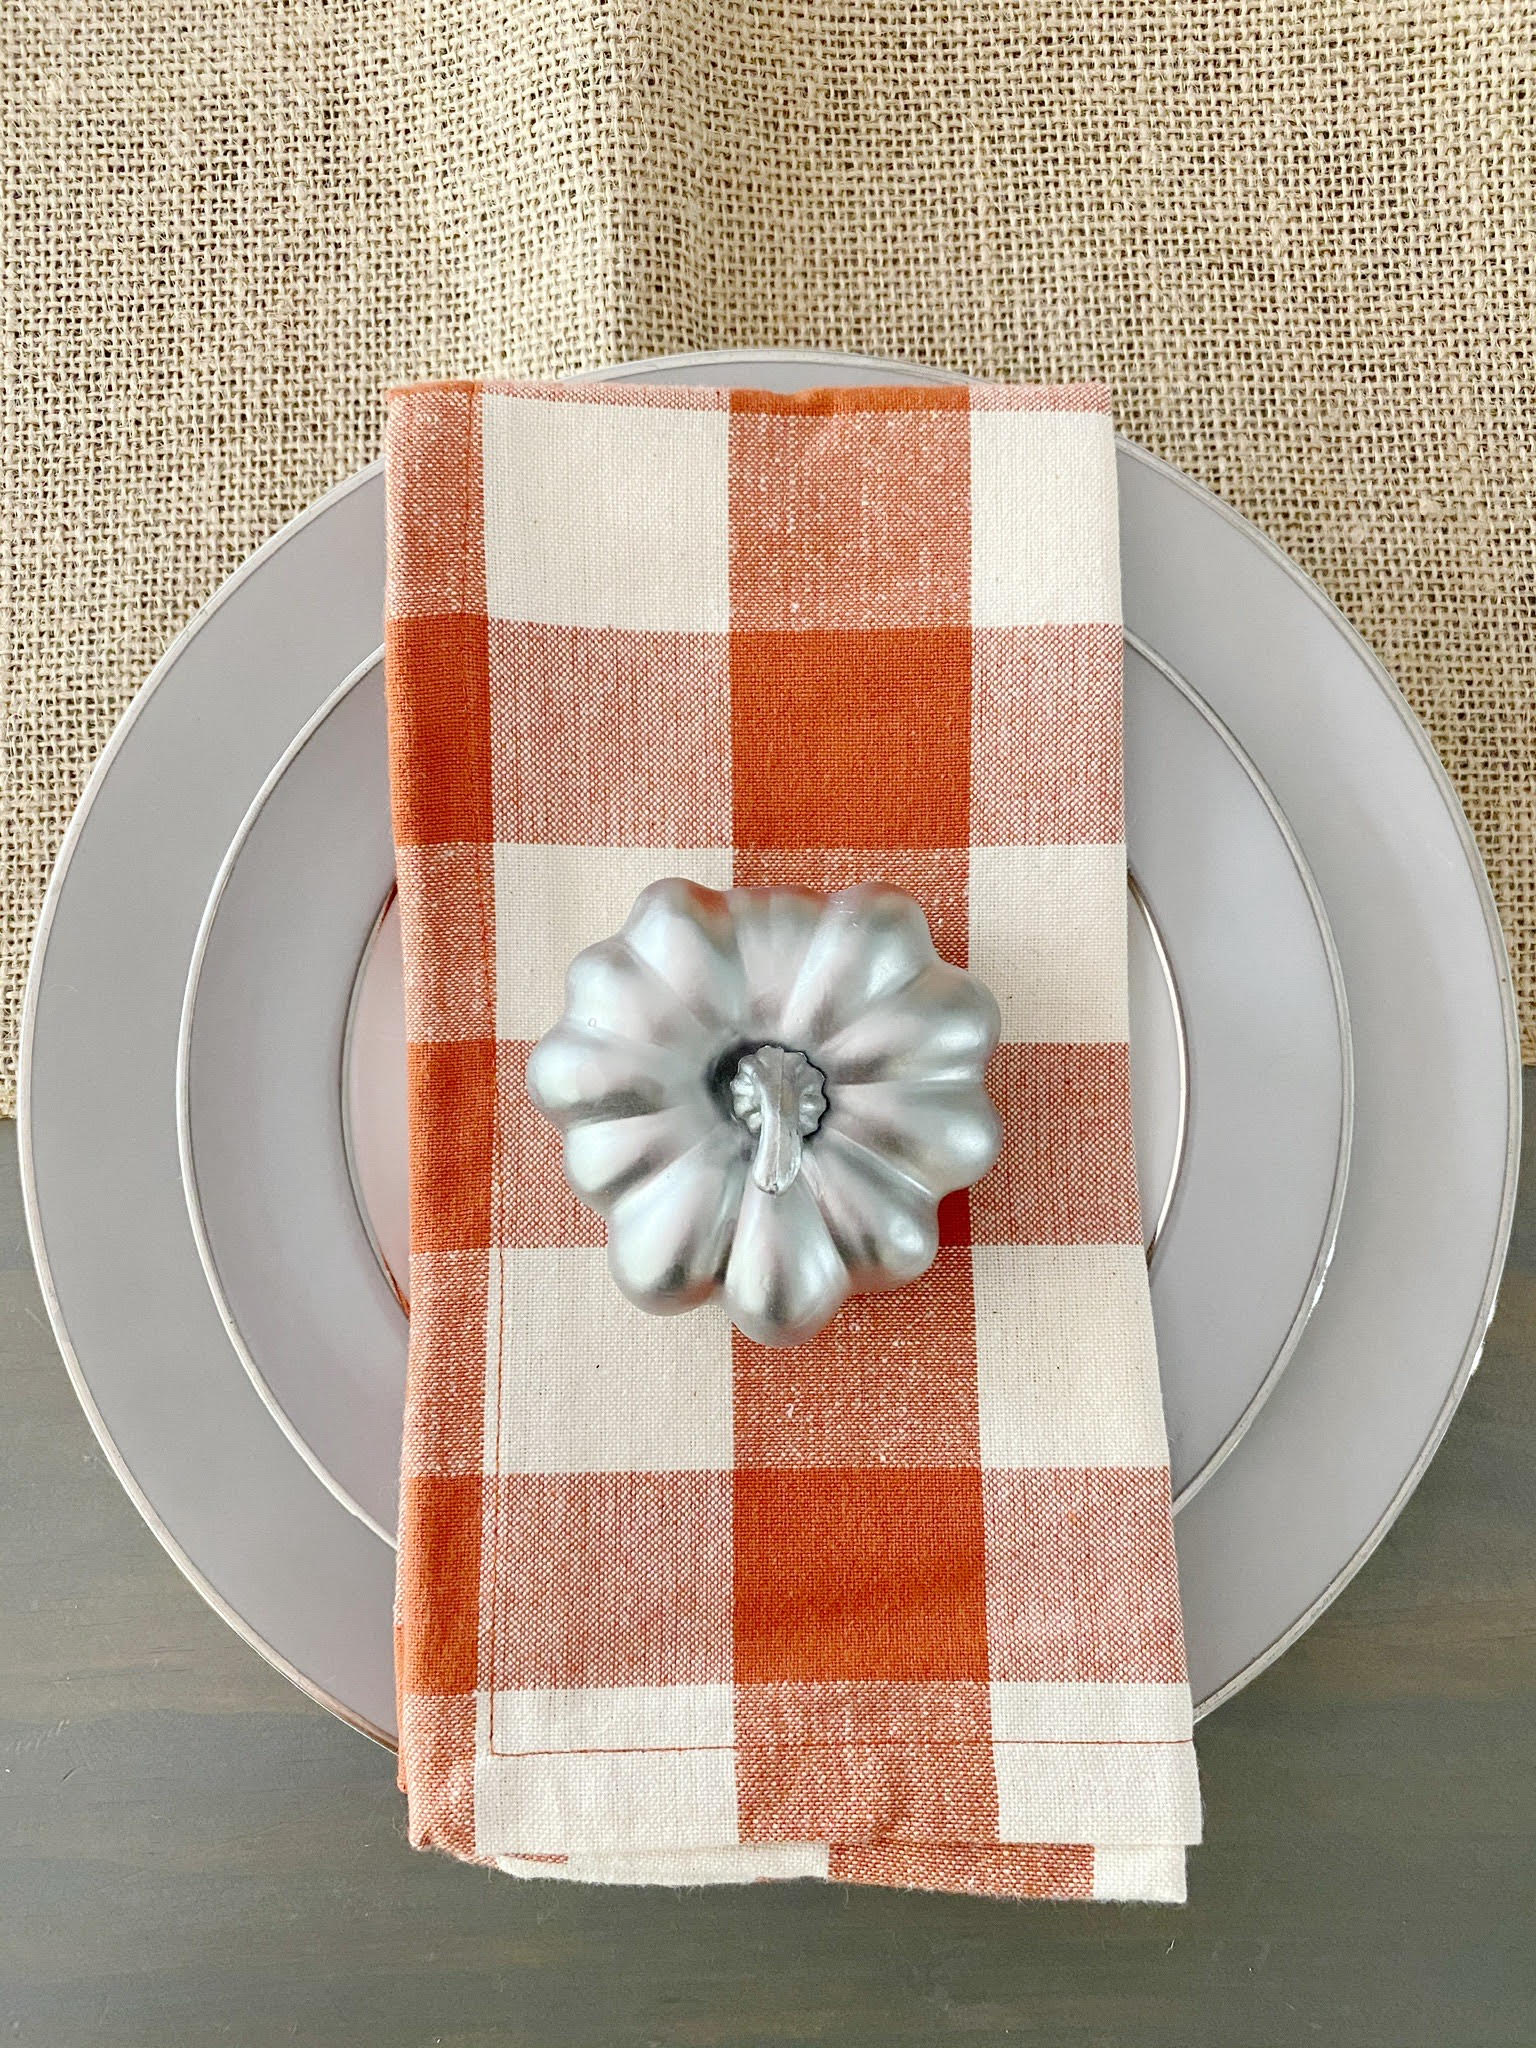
<point>897,1605</point>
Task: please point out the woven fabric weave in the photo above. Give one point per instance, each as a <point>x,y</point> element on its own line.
<point>898,1604</point>
<point>1293,234</point>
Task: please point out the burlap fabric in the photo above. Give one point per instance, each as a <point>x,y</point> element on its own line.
<point>1293,235</point>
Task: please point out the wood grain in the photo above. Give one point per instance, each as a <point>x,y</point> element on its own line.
<point>192,1853</point>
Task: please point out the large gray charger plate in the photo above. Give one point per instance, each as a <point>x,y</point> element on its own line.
<point>1344,1435</point>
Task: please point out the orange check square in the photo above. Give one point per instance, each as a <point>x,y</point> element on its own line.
<point>934,876</point>
<point>452,1090</point>
<point>852,738</point>
<point>874,1574</point>
<point>1067,1170</point>
<point>450,990</point>
<point>831,401</point>
<point>890,1380</point>
<point>605,738</point>
<point>852,519</point>
<point>1085,1583</point>
<point>441,1535</point>
<point>608,1579</point>
<point>436,503</point>
<point>437,679</point>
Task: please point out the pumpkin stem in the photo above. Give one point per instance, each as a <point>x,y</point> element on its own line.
<point>780,1096</point>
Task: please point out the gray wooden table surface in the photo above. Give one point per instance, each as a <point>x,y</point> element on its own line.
<point>191,1852</point>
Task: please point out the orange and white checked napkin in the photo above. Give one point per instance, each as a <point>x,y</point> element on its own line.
<point>898,1605</point>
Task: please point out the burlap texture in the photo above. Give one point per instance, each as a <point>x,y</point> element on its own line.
<point>1294,236</point>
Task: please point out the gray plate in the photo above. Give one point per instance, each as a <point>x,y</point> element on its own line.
<point>1343,1438</point>
<point>1242,1095</point>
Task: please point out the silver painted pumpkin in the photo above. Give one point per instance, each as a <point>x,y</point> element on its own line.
<point>766,1092</point>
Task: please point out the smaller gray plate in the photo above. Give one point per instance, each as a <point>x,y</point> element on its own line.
<point>1241,1069</point>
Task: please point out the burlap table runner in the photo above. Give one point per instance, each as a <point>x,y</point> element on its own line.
<point>1293,235</point>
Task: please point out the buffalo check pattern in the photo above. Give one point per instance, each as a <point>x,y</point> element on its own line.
<point>899,1605</point>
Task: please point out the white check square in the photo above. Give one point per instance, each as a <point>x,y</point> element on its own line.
<point>1066,1359</point>
<point>580,1380</point>
<point>606,515</point>
<point>551,901</point>
<point>644,1799</point>
<point>1049,937</point>
<point>1045,546</point>
<point>1097,1712</point>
